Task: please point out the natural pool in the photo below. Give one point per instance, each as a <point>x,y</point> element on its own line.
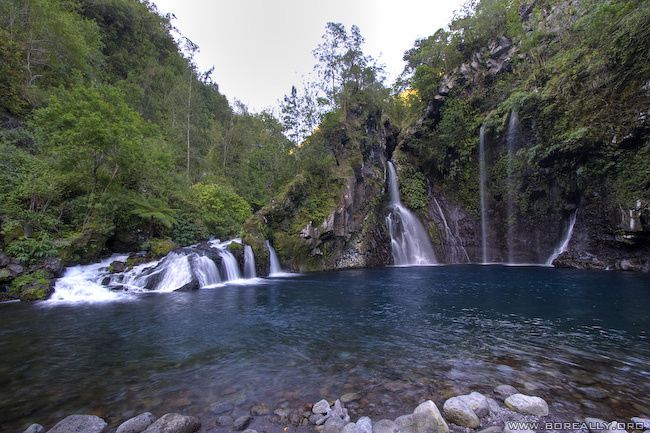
<point>397,336</point>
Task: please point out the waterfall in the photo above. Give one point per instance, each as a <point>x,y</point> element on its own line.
<point>410,243</point>
<point>82,283</point>
<point>273,258</point>
<point>566,238</point>
<point>456,250</point>
<point>249,262</point>
<point>482,186</point>
<point>230,265</point>
<point>176,273</point>
<point>512,139</point>
<point>206,271</point>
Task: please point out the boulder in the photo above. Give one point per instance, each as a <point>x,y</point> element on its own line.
<point>349,428</point>
<point>242,422</point>
<point>364,425</point>
<point>385,426</point>
<point>53,265</point>
<point>477,402</point>
<point>117,266</point>
<point>504,391</point>
<point>527,405</point>
<point>34,428</point>
<point>334,425</point>
<point>457,411</point>
<point>427,419</point>
<point>80,424</point>
<point>174,423</point>
<point>136,424</point>
<point>494,405</point>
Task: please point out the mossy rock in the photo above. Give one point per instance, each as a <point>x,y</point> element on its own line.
<point>5,275</point>
<point>235,247</point>
<point>161,247</point>
<point>33,287</point>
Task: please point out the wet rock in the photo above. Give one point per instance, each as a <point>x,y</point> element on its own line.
<point>334,425</point>
<point>477,402</point>
<point>260,409</point>
<point>80,424</point>
<point>364,425</point>
<point>385,426</point>
<point>428,419</point>
<point>221,407</point>
<point>242,422</point>
<point>593,393</point>
<point>494,405</point>
<point>283,413</point>
<point>504,391</point>
<point>34,428</point>
<point>117,266</point>
<point>225,420</point>
<point>350,397</point>
<point>136,424</point>
<point>527,405</point>
<point>458,412</point>
<point>4,261</point>
<point>641,420</point>
<point>322,407</point>
<point>53,265</point>
<point>174,423</point>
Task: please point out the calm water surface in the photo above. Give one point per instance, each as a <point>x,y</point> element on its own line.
<point>396,335</point>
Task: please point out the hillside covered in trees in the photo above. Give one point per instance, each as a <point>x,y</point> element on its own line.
<point>113,140</point>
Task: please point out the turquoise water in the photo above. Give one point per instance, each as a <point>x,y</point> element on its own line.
<point>396,335</point>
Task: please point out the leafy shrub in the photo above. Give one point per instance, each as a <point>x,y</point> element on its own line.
<point>28,250</point>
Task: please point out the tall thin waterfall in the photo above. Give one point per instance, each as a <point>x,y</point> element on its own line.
<point>249,262</point>
<point>274,262</point>
<point>410,242</point>
<point>230,265</point>
<point>512,139</point>
<point>566,238</point>
<point>205,270</point>
<point>483,193</point>
<point>453,244</point>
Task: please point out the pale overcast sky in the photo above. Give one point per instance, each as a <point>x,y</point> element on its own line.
<point>259,48</point>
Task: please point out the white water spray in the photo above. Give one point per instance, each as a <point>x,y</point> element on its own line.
<point>564,245</point>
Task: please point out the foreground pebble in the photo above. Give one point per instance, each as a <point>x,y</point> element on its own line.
<point>458,412</point>
<point>80,424</point>
<point>136,424</point>
<point>174,423</point>
<point>527,405</point>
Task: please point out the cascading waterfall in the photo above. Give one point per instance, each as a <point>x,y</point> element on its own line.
<point>176,273</point>
<point>230,265</point>
<point>512,139</point>
<point>249,262</point>
<point>82,283</point>
<point>455,249</point>
<point>483,194</point>
<point>273,259</point>
<point>410,243</point>
<point>206,271</point>
<point>566,238</point>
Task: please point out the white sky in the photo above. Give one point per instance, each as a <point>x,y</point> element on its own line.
<point>259,48</point>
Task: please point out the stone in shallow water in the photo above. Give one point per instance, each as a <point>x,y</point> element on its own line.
<point>80,424</point>
<point>527,405</point>
<point>504,391</point>
<point>385,426</point>
<point>136,424</point>
<point>322,407</point>
<point>593,393</point>
<point>34,428</point>
<point>260,409</point>
<point>174,423</point>
<point>458,412</point>
<point>350,396</point>
<point>242,422</point>
<point>221,407</point>
<point>225,420</point>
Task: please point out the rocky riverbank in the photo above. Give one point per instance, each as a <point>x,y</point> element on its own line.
<point>506,411</point>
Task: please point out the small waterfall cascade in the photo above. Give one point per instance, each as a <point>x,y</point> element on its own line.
<point>175,271</point>
<point>483,195</point>
<point>249,262</point>
<point>82,283</point>
<point>512,140</point>
<point>206,270</point>
<point>275,268</point>
<point>410,243</point>
<point>566,238</point>
<point>455,250</point>
<point>230,265</point>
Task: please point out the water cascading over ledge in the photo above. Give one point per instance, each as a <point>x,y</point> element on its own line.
<point>410,243</point>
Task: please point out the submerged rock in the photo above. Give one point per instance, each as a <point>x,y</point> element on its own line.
<point>242,422</point>
<point>504,391</point>
<point>350,397</point>
<point>80,424</point>
<point>460,413</point>
<point>527,405</point>
<point>136,424</point>
<point>260,409</point>
<point>174,423</point>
